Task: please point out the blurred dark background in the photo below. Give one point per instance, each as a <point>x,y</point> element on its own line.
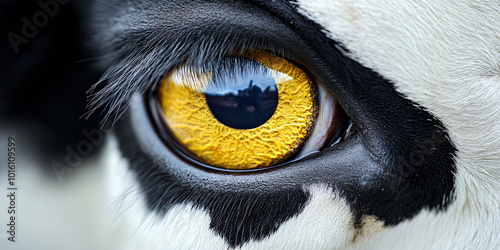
<point>43,84</point>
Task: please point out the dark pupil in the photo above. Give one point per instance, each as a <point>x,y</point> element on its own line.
<point>246,104</point>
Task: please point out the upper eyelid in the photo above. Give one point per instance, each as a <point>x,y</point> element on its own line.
<point>138,69</point>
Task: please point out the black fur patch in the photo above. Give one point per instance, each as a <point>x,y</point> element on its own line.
<point>237,214</point>
<point>398,163</point>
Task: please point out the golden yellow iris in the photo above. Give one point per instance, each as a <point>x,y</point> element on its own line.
<point>192,122</point>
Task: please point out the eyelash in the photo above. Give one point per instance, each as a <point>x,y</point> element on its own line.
<point>146,65</point>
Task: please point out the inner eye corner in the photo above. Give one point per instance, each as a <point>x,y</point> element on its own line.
<point>189,140</point>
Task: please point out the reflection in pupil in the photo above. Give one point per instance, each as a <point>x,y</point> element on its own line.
<point>244,106</point>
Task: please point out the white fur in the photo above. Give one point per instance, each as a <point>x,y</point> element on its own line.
<point>325,223</point>
<point>445,56</point>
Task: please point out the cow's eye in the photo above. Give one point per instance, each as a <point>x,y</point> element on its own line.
<point>245,112</point>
